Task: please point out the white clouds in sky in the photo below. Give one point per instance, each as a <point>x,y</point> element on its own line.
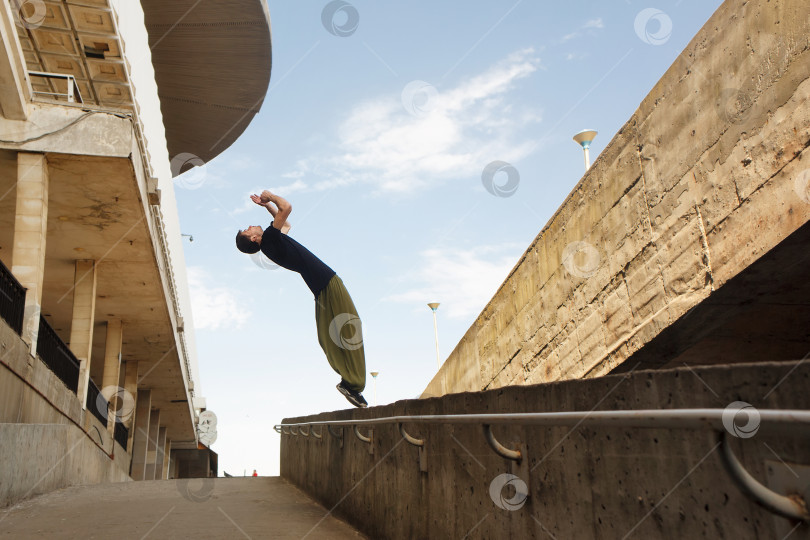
<point>214,306</point>
<point>462,280</point>
<point>465,127</point>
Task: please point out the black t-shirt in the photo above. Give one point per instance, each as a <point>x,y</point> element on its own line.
<point>289,254</point>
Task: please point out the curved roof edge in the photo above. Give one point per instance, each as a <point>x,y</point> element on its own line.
<point>212,65</point>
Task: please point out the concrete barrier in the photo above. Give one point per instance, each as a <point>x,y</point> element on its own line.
<point>703,180</point>
<point>46,440</point>
<point>582,483</point>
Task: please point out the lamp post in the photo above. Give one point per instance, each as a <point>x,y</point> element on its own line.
<point>584,139</point>
<point>434,306</point>
<point>374,374</point>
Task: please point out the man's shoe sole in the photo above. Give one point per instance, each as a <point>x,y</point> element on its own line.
<point>350,397</point>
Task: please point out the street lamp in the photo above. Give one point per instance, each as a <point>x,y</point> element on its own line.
<point>434,306</point>
<point>374,374</point>
<point>584,139</point>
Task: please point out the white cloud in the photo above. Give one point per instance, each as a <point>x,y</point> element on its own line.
<point>568,37</point>
<point>594,23</point>
<point>463,281</point>
<point>214,307</point>
<point>381,144</point>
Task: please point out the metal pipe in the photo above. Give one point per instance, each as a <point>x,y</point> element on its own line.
<point>317,435</point>
<point>361,437</point>
<point>296,426</point>
<point>333,434</point>
<point>500,449</point>
<point>788,420</point>
<point>305,433</point>
<point>416,442</point>
<point>792,508</point>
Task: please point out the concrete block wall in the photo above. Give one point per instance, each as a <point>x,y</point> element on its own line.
<point>591,482</point>
<point>700,182</point>
<point>46,440</point>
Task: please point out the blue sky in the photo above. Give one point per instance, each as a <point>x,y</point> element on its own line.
<point>379,139</point>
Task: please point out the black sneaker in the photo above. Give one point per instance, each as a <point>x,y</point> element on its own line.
<point>355,398</point>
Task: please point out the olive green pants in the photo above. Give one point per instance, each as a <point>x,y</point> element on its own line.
<point>340,333</point>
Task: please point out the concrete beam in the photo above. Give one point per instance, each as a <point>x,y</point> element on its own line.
<point>81,328</point>
<point>151,452</point>
<point>131,388</point>
<point>140,442</point>
<point>69,130</point>
<point>15,88</point>
<point>112,366</point>
<point>30,234</point>
<point>160,454</point>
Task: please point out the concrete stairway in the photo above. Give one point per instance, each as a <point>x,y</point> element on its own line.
<point>264,507</point>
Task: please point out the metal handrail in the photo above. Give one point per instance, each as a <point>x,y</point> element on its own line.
<point>73,94</point>
<point>791,420</point>
<point>643,418</point>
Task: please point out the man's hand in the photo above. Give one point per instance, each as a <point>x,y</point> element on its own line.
<point>258,200</point>
<point>266,196</point>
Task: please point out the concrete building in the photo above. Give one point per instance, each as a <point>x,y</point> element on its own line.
<point>103,103</point>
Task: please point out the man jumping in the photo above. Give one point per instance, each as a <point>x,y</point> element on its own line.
<point>335,313</point>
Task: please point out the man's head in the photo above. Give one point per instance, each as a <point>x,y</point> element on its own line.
<point>249,240</point>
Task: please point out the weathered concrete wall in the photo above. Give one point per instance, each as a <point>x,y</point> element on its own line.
<point>705,177</point>
<point>582,483</point>
<point>39,458</point>
<point>40,423</point>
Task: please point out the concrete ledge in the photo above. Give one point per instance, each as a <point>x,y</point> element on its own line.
<point>583,483</point>
<point>69,129</point>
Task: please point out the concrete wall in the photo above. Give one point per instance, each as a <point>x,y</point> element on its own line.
<point>582,483</point>
<point>39,458</point>
<point>702,180</point>
<point>46,440</point>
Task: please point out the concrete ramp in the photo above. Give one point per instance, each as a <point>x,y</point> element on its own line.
<point>264,507</point>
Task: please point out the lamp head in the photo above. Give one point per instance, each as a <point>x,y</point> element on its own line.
<point>375,373</point>
<point>433,305</point>
<point>585,137</point>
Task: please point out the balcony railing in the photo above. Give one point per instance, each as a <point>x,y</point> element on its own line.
<point>57,356</point>
<point>96,403</point>
<point>121,435</point>
<point>12,299</point>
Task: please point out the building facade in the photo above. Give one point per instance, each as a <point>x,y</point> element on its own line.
<point>104,103</point>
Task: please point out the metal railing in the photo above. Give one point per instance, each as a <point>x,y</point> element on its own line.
<point>121,435</point>
<point>12,299</point>
<point>795,422</point>
<point>72,94</point>
<point>57,356</point>
<point>96,403</point>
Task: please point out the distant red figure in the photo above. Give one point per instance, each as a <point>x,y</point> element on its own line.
<point>255,473</point>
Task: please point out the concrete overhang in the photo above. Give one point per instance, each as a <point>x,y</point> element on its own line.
<point>212,64</point>
<point>96,212</point>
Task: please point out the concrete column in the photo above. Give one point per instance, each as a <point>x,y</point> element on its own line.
<point>81,328</point>
<point>151,452</point>
<point>160,454</point>
<point>167,457</point>
<point>30,231</point>
<point>131,387</point>
<point>140,441</point>
<point>112,366</point>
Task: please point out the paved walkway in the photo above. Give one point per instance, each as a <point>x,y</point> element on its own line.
<point>229,508</point>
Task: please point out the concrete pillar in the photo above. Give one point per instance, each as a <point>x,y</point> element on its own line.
<point>167,457</point>
<point>112,365</point>
<point>140,441</point>
<point>30,231</point>
<point>151,452</point>
<point>131,387</point>
<point>81,328</point>
<point>160,454</point>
